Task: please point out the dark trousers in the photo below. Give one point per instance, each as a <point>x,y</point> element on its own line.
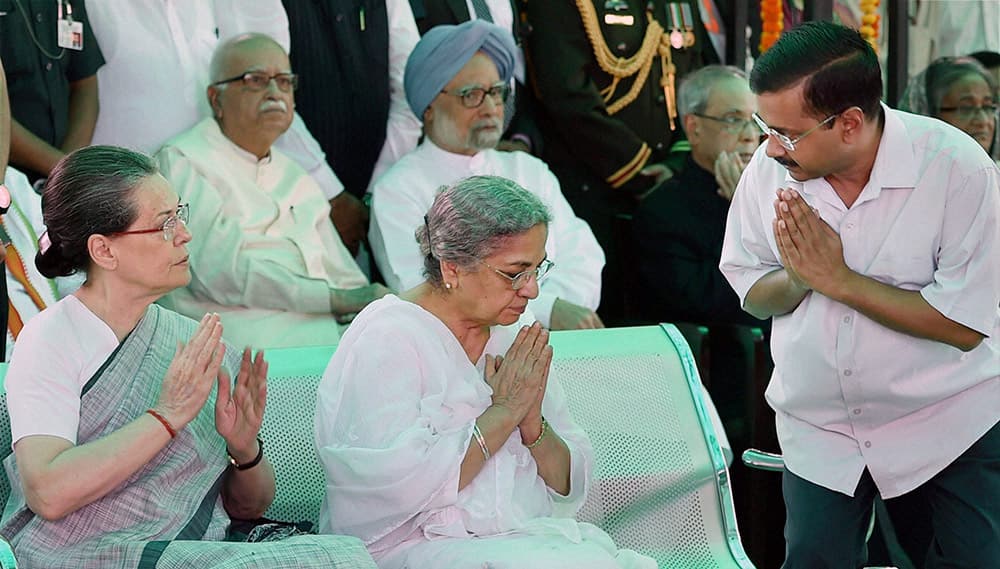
<point>826,529</point>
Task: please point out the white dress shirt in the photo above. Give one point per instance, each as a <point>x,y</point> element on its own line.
<point>849,392</point>
<point>263,254</point>
<point>153,83</point>
<point>404,194</point>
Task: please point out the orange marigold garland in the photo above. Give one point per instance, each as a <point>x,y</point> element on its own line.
<point>870,22</point>
<point>772,20</point>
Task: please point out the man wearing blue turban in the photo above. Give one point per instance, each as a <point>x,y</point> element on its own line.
<point>456,80</point>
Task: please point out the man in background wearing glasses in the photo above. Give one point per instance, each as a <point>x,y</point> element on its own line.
<point>871,236</point>
<point>456,80</point>
<point>265,255</point>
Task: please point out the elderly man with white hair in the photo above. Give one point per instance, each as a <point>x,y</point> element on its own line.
<point>265,255</point>
<point>456,80</point>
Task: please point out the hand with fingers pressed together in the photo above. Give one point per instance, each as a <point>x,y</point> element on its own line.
<point>520,377</point>
<point>189,378</point>
<point>239,409</point>
<point>811,250</point>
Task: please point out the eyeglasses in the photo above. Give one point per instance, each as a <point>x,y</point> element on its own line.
<point>732,125</point>
<point>169,227</point>
<point>966,112</point>
<point>258,80</point>
<point>473,97</point>
<point>520,279</point>
<point>784,140</point>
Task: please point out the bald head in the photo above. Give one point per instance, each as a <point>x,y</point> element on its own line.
<point>237,49</point>
<point>251,91</point>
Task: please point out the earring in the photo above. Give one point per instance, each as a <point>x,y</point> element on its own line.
<point>447,285</point>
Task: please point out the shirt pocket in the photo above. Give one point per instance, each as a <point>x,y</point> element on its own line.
<point>908,267</point>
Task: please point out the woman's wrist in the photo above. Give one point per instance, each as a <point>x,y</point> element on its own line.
<point>243,453</point>
<point>531,429</point>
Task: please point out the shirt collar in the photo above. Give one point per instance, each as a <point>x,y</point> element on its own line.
<point>448,159</point>
<point>895,164</point>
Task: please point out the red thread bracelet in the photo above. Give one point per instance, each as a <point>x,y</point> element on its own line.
<point>162,420</point>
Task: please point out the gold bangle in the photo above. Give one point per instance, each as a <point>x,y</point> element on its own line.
<point>541,435</point>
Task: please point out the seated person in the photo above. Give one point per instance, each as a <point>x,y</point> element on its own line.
<point>679,228</point>
<point>28,290</point>
<point>120,438</point>
<point>272,265</point>
<point>959,91</point>
<point>462,454</point>
<point>457,79</point>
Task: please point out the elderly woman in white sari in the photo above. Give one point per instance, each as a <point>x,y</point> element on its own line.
<point>444,441</point>
<point>132,446</point>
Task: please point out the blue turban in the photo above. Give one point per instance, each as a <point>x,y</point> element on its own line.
<point>444,51</point>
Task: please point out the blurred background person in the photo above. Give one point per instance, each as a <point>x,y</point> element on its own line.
<point>52,80</point>
<point>959,91</point>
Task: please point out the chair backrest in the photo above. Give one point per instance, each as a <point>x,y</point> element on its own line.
<point>292,382</point>
<point>660,484</point>
<point>4,438</point>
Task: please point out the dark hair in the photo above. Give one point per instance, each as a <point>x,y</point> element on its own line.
<point>839,67</point>
<point>88,192</point>
<point>470,219</point>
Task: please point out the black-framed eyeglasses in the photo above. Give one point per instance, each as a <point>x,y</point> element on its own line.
<point>258,80</point>
<point>473,97</point>
<point>789,143</point>
<point>520,279</point>
<point>967,112</point>
<point>733,125</point>
<point>169,227</point>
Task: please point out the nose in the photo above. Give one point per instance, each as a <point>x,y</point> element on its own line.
<point>530,288</point>
<point>182,234</point>
<point>774,148</point>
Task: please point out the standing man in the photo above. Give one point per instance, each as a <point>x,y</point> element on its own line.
<point>871,236</point>
<point>51,61</point>
<point>520,130</point>
<point>605,72</point>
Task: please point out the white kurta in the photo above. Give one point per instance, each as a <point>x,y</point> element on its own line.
<point>264,254</point>
<point>394,419</point>
<point>850,393</point>
<point>404,194</point>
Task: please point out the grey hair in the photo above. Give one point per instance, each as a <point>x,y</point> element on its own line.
<point>924,93</point>
<point>220,57</point>
<point>90,191</point>
<point>470,220</point>
<point>692,97</point>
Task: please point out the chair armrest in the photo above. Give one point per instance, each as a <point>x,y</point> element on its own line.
<point>763,460</point>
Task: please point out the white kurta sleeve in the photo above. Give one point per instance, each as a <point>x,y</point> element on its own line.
<point>389,452</point>
<point>747,253</point>
<point>581,453</point>
<point>234,268</point>
<point>403,129</point>
<point>578,256</point>
<point>396,213</point>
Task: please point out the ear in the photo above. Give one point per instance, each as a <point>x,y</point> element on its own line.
<point>449,273</point>
<point>691,128</point>
<point>213,101</point>
<point>102,252</point>
<point>852,122</point>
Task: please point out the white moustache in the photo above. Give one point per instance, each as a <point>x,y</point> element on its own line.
<point>270,105</point>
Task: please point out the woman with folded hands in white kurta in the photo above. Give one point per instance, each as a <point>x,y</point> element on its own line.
<point>444,441</point>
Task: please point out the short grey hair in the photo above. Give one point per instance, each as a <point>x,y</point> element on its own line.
<point>220,57</point>
<point>692,97</point>
<point>470,220</point>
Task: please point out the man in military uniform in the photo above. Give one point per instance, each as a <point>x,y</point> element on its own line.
<point>605,72</point>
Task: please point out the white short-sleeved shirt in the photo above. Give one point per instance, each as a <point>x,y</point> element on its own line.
<point>58,351</point>
<point>850,393</point>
